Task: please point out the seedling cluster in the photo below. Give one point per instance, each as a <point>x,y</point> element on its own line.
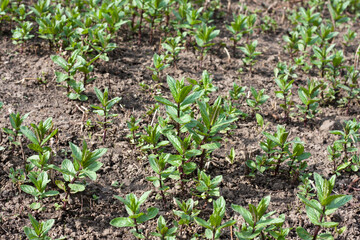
<point>192,119</point>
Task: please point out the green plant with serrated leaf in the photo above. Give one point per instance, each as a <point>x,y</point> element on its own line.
<point>84,165</point>
<point>204,84</point>
<point>258,99</point>
<point>308,96</point>
<point>285,85</point>
<point>133,126</point>
<point>179,111</point>
<point>159,164</point>
<point>159,65</point>
<point>15,134</point>
<point>208,187</point>
<point>38,230</point>
<point>268,24</point>
<point>258,223</point>
<point>238,28</point>
<point>187,211</point>
<point>318,209</point>
<point>337,9</point>
<point>40,181</point>
<point>214,225</point>
<point>104,109</point>
<point>322,57</point>
<point>204,35</point>
<point>250,54</point>
<point>351,87</point>
<point>206,129</point>
<point>22,33</point>
<point>349,37</point>
<point>151,140</point>
<point>40,135</point>
<point>136,217</point>
<point>173,48</point>
<point>163,231</point>
<point>345,147</point>
<point>326,34</point>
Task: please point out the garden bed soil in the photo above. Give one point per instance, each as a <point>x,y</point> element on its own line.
<point>88,216</point>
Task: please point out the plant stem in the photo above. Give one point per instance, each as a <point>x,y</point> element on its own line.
<point>67,195</point>
<point>317,229</point>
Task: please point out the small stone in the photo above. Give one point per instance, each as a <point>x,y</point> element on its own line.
<point>327,125</point>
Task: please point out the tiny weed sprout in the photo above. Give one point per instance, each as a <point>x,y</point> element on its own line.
<point>132,206</point>
<point>38,230</point>
<point>213,226</point>
<point>84,165</point>
<point>164,232</point>
<point>231,157</point>
<point>250,54</point>
<point>318,210</point>
<point>259,223</point>
<point>105,108</point>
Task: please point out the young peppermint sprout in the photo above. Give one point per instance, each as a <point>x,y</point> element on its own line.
<point>308,97</point>
<point>204,35</point>
<point>258,222</point>
<point>132,206</point>
<point>259,99</point>
<point>173,49</point>
<point>250,54</point>
<point>39,230</point>
<point>208,187</point>
<point>164,232</point>
<point>159,65</point>
<point>105,108</point>
<point>22,33</point>
<point>159,166</point>
<point>15,134</point>
<point>40,181</point>
<point>238,28</point>
<point>84,165</point>
<point>318,210</point>
<point>213,225</point>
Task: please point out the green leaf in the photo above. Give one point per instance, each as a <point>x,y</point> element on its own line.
<point>76,187</point>
<point>202,223</point>
<point>29,189</point>
<point>143,198</point>
<point>244,213</point>
<point>122,222</point>
<point>60,61</point>
<point>29,134</point>
<point>176,142</point>
<point>303,234</point>
<point>164,101</point>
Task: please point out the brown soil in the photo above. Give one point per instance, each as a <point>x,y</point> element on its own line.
<point>87,218</point>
